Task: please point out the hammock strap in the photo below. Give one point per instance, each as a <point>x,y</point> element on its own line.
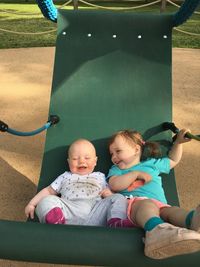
<point>52,120</point>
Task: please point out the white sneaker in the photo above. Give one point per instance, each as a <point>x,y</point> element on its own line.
<point>195,224</point>
<point>167,240</point>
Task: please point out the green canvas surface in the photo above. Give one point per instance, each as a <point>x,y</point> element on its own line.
<point>103,82</point>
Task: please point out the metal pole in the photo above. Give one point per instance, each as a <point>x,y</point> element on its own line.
<point>163,6</point>
<point>75,4</point>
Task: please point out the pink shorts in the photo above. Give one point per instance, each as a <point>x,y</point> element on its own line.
<point>133,200</point>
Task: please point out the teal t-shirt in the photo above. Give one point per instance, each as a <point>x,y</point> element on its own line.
<point>154,188</point>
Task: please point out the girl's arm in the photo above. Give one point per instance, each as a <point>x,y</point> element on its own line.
<point>122,182</point>
<point>30,208</point>
<point>176,151</point>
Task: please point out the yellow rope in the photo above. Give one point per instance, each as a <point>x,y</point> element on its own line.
<point>119,8</point>
<point>51,31</point>
<point>178,30</point>
<point>174,4</point>
<point>28,33</point>
<point>84,2</point>
<point>67,3</point>
<point>18,13</point>
<point>190,33</point>
<point>97,6</point>
<point>32,14</point>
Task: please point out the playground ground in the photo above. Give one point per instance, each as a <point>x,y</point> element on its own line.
<point>25,78</point>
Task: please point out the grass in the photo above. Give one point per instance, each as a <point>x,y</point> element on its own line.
<point>25,23</point>
<point>37,23</point>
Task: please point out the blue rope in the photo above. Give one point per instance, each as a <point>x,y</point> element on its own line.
<point>185,11</point>
<point>48,9</point>
<point>46,126</point>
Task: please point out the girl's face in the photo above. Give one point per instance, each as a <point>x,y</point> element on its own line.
<point>82,157</point>
<point>124,153</point>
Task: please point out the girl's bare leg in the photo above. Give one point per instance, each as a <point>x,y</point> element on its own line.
<point>182,218</point>
<point>143,210</point>
<point>164,240</point>
<point>174,215</point>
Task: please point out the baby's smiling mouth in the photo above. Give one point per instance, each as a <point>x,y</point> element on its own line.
<point>82,167</point>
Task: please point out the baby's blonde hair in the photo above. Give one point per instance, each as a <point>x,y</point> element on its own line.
<point>134,137</point>
<point>81,140</point>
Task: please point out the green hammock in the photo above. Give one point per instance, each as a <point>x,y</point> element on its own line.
<point>112,71</point>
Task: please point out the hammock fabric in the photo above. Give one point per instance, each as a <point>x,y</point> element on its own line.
<point>112,71</point>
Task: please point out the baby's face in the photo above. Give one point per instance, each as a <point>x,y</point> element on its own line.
<point>82,157</point>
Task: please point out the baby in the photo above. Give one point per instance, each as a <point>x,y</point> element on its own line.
<point>84,194</point>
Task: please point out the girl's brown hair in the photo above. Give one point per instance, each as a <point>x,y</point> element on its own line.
<point>148,148</point>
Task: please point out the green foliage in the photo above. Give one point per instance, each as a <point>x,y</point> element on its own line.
<point>34,22</point>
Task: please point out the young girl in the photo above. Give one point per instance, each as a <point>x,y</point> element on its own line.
<point>166,228</point>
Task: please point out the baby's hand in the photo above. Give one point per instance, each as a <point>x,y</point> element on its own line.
<point>29,211</point>
<point>106,193</point>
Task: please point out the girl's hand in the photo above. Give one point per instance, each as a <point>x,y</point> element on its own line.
<point>142,178</point>
<point>180,139</point>
<point>137,183</point>
<point>29,211</point>
<point>106,193</point>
